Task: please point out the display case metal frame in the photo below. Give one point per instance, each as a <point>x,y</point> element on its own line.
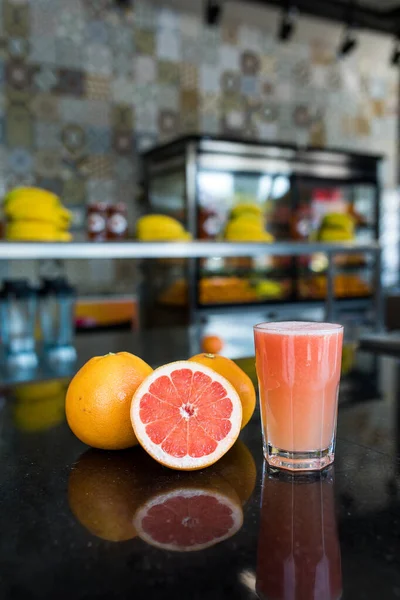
<point>190,154</point>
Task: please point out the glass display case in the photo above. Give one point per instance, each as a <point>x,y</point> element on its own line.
<point>230,190</point>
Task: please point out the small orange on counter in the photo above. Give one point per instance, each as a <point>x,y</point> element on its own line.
<point>212,344</point>
<point>99,398</point>
<point>236,376</point>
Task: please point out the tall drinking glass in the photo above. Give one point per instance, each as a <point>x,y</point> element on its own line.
<point>298,368</point>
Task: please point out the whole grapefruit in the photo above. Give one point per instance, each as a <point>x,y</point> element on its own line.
<point>99,398</point>
<point>236,377</point>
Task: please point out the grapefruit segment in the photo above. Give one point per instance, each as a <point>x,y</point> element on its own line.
<point>186,416</point>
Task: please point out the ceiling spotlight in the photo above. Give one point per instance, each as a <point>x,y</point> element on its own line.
<point>288,23</point>
<point>213,12</point>
<point>348,43</point>
<point>395,56</point>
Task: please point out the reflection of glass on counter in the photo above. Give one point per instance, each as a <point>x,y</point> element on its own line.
<point>298,548</point>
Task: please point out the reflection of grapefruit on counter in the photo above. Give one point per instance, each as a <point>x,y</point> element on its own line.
<point>239,468</point>
<point>191,515</point>
<point>103,494</point>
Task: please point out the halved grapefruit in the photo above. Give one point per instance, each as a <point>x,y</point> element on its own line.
<point>189,518</point>
<point>186,416</point>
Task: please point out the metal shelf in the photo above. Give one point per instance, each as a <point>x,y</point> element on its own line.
<point>196,249</point>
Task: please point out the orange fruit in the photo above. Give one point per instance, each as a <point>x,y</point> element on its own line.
<point>99,398</point>
<point>186,416</point>
<point>189,514</point>
<point>212,344</point>
<point>239,469</point>
<point>236,376</point>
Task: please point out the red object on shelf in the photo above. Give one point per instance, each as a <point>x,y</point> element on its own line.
<point>97,221</point>
<point>117,221</point>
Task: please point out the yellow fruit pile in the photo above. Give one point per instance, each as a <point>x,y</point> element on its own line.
<point>160,228</point>
<point>336,227</point>
<point>34,214</point>
<point>246,224</point>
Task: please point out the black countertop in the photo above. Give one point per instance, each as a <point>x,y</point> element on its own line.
<point>62,504</point>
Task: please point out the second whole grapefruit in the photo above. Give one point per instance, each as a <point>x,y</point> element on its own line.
<point>236,377</point>
<point>99,398</point>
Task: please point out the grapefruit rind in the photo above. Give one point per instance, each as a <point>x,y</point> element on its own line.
<point>235,508</point>
<point>186,462</point>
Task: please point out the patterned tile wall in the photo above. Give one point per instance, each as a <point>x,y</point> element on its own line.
<point>85,87</point>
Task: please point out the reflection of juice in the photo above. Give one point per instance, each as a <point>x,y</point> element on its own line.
<point>298,552</point>
<point>298,368</point>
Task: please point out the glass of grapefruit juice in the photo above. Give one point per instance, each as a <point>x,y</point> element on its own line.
<point>298,369</point>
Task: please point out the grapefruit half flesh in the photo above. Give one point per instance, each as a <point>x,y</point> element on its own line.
<point>188,519</point>
<point>186,416</point>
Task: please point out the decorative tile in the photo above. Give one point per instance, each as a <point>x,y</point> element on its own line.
<point>123,65</point>
<point>249,85</point>
<point>145,42</point>
<point>97,87</point>
<point>18,47</point>
<point>122,117</point>
<point>100,190</point>
<point>167,96</point>
<point>70,82</point>
<point>98,32</point>
<point>168,20</point>
<point>229,57</point>
<point>98,140</point>
<point>121,39</point>
<point>20,161</point>
<point>18,75</point>
<point>98,167</point>
<point>167,45</point>
<point>46,78</point>
<point>47,135</point>
<point>68,54</point>
<point>145,69</point>
<point>98,113</point>
<point>19,127</point>
<point>189,76</point>
<point>98,59</point>
<point>47,163</point>
<point>123,142</point>
<point>122,90</point>
<point>209,123</point>
<point>168,72</point>
<point>43,49</point>
<point>145,141</point>
<point>123,168</point>
<point>45,107</point>
<point>74,191</point>
<point>250,38</point>
<point>70,25</point>
<point>73,138</point>
<point>145,14</point>
<point>16,19</point>
<point>190,50</point>
<point>250,63</point>
<point>73,110</point>
<point>54,184</point>
<point>96,9</point>
<point>209,78</point>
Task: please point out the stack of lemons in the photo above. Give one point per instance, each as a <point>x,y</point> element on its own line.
<point>336,227</point>
<point>160,228</point>
<point>34,214</point>
<point>246,224</point>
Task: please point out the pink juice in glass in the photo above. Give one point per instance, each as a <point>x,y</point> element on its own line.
<point>298,369</point>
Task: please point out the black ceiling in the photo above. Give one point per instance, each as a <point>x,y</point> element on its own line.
<point>378,15</point>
